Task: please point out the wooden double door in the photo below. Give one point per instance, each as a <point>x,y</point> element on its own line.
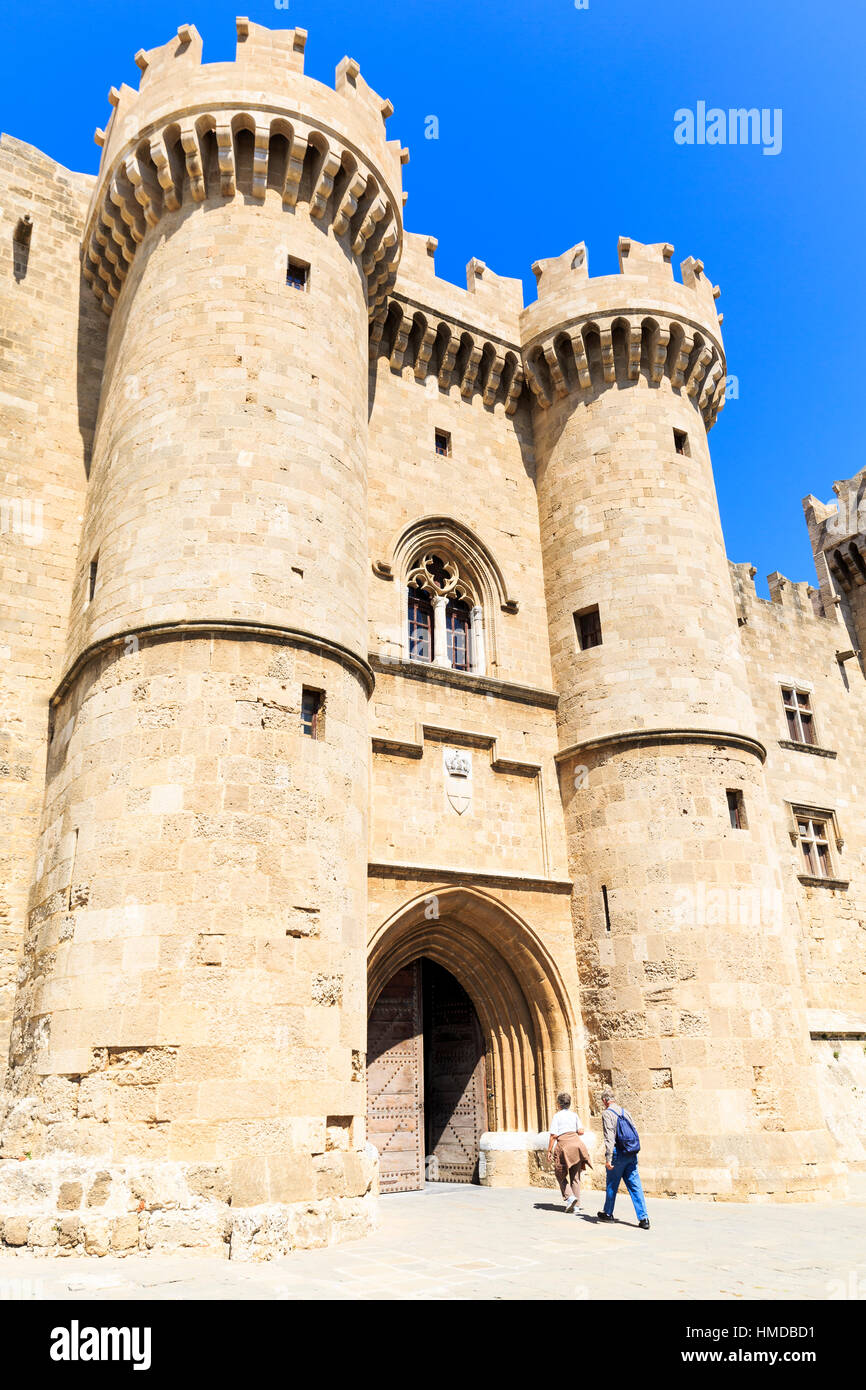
<point>426,1091</point>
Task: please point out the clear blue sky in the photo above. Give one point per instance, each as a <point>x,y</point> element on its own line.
<point>556,126</point>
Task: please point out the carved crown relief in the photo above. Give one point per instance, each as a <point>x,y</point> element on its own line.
<point>457,763</point>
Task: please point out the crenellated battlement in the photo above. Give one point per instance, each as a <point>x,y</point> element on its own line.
<point>837,531</point>
<point>797,600</point>
<point>268,69</point>
<point>194,130</point>
<point>582,334</point>
<point>464,337</point>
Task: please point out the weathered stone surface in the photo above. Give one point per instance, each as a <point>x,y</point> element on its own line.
<point>69,1196</point>
<point>15,1229</point>
<point>43,1232</point>
<point>124,1233</point>
<point>97,1235</point>
<point>100,1190</point>
<point>69,1233</point>
<point>210,1181</point>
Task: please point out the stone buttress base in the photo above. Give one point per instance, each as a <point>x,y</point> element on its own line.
<point>517,1158</point>
<point>64,1205</point>
<point>779,1167</point>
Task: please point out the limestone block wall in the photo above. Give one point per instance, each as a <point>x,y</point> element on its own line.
<point>692,995</point>
<point>51,348</point>
<point>434,367</point>
<point>840,1063</point>
<point>506,816</point>
<point>787,643</point>
<point>229,468</point>
<point>196,959</point>
<point>621,512</point>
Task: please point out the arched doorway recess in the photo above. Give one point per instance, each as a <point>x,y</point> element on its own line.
<point>524,1016</point>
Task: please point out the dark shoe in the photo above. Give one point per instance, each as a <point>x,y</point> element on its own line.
<point>644,1225</point>
<point>603,1216</point>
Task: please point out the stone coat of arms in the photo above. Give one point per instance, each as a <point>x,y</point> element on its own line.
<point>457,763</point>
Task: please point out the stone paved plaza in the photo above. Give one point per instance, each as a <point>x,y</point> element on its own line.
<point>461,1242</point>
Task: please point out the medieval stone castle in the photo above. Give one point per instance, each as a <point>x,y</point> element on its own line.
<point>387,741</point>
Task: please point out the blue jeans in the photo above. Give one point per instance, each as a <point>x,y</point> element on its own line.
<point>625,1170</point>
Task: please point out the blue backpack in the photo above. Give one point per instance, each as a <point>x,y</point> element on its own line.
<point>627,1141</point>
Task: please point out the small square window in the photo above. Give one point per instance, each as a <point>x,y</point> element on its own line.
<point>442,443</point>
<point>588,627</point>
<point>681,442</point>
<point>297,274</point>
<point>737,810</point>
<point>312,712</point>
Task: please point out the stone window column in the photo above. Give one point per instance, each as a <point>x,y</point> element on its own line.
<point>440,631</point>
<point>476,628</point>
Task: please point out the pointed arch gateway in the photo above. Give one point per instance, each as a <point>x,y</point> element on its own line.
<point>526,1024</point>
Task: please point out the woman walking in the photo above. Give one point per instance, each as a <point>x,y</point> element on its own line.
<point>570,1154</point>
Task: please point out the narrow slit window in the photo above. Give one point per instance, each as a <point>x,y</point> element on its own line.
<point>588,627</point>
<point>798,713</point>
<point>91,578</point>
<point>297,274</point>
<point>737,810</point>
<point>606,905</point>
<point>681,442</point>
<point>21,246</point>
<point>442,443</point>
<point>312,707</point>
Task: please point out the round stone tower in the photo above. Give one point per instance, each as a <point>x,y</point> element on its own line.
<point>195,990</point>
<point>690,989</point>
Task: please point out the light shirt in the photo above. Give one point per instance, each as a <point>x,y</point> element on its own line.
<point>565,1122</point>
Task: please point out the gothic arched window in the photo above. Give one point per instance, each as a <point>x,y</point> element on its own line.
<point>444,619</point>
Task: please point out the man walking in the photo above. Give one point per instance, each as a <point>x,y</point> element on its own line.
<point>621,1148</point>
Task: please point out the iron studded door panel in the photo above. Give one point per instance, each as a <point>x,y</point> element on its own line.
<point>395,1082</point>
<point>456,1095</point>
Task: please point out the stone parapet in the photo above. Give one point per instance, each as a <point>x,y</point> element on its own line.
<point>412,335</point>
<point>584,334</point>
<point>195,131</point>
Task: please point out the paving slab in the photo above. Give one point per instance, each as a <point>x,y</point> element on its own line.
<point>468,1243</point>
